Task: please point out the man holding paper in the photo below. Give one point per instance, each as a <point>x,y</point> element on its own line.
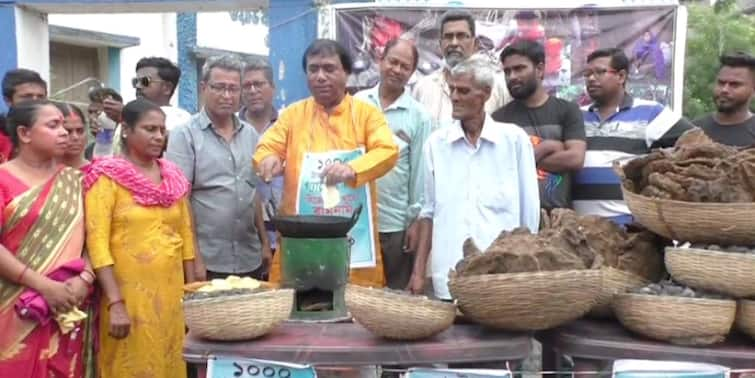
<point>331,139</point>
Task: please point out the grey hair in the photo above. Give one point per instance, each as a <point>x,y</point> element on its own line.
<point>483,73</point>
<point>225,62</point>
<point>259,64</point>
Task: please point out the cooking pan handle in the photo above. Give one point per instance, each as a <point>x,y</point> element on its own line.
<point>355,215</point>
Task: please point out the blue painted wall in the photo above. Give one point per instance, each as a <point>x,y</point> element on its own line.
<point>114,68</point>
<point>8,57</point>
<point>187,38</point>
<point>293,26</point>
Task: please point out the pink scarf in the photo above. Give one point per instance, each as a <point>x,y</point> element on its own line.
<point>146,193</point>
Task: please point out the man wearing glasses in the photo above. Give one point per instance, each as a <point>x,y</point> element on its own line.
<point>156,80</point>
<point>257,91</point>
<point>457,43</point>
<point>214,150</point>
<point>618,128</point>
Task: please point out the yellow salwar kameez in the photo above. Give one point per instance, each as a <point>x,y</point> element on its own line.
<point>307,127</point>
<point>146,246</point>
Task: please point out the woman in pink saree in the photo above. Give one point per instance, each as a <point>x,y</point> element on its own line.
<point>42,272</point>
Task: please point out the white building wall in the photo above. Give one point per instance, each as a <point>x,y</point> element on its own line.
<point>156,31</point>
<point>217,30</point>
<point>33,43</point>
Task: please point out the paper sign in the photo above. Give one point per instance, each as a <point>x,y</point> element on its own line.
<point>309,201</point>
<point>238,367</point>
<point>456,373</point>
<point>667,369</point>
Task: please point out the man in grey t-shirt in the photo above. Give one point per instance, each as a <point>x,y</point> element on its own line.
<point>215,150</point>
<point>733,122</point>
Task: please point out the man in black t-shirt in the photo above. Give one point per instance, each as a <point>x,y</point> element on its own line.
<point>555,126</point>
<point>733,123</point>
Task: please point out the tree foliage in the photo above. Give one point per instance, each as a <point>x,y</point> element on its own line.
<point>712,31</point>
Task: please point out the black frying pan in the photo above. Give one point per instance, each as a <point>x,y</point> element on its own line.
<point>315,226</point>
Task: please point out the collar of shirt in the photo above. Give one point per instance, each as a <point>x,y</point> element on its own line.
<point>626,103</point>
<point>242,116</point>
<point>402,102</point>
<point>457,133</point>
<point>341,108</point>
<point>205,122</point>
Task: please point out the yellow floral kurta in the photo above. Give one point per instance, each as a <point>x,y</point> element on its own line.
<point>146,247</point>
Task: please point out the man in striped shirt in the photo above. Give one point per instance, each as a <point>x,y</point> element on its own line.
<point>618,128</point>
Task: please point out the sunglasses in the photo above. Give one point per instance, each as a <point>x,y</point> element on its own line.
<point>143,82</point>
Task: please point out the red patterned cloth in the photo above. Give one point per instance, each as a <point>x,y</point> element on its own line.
<point>6,148</point>
<point>146,193</point>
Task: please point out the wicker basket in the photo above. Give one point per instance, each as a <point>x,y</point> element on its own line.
<point>712,223</point>
<point>615,281</point>
<point>398,316</point>
<point>679,320</point>
<point>238,317</point>
<point>725,272</point>
<point>527,301</point>
<point>746,317</point>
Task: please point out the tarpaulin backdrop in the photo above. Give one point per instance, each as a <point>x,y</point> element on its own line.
<point>646,35</point>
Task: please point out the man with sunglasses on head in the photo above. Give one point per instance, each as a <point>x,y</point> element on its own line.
<point>457,43</point>
<point>214,150</point>
<point>619,127</point>
<point>156,80</point>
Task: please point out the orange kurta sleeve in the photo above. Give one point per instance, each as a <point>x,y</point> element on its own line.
<point>382,151</point>
<point>274,141</point>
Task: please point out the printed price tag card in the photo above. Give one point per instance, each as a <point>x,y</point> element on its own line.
<point>237,367</point>
<point>456,373</point>
<point>667,369</point>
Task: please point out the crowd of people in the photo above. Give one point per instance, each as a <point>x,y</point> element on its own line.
<point>112,239</point>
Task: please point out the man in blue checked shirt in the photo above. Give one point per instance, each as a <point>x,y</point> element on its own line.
<point>400,191</point>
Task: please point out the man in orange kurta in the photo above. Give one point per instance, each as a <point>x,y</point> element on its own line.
<point>329,120</point>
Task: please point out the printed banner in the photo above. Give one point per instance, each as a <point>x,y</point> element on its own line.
<point>309,201</point>
<point>568,36</point>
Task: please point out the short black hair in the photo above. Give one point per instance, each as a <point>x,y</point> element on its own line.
<point>457,15</point>
<point>14,78</point>
<point>166,69</point>
<point>100,94</point>
<point>619,60</point>
<point>739,59</point>
<point>259,64</point>
<point>531,50</point>
<point>327,47</point>
<point>23,114</point>
<point>393,42</point>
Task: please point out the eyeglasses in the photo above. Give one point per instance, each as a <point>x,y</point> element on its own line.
<point>143,82</point>
<point>461,36</point>
<point>247,87</point>
<point>598,72</point>
<point>220,89</point>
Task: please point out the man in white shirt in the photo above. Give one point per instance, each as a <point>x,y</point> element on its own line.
<point>457,42</point>
<point>480,179</point>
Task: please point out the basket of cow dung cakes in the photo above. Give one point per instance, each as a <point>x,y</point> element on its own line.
<point>526,281</point>
<point>677,314</point>
<point>746,317</point>
<point>728,270</point>
<point>397,314</point>
<point>630,259</point>
<point>235,308</point>
<point>700,191</point>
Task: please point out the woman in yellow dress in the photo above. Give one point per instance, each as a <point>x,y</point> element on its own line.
<point>141,243</point>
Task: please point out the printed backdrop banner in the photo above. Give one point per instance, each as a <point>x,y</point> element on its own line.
<point>569,36</point>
